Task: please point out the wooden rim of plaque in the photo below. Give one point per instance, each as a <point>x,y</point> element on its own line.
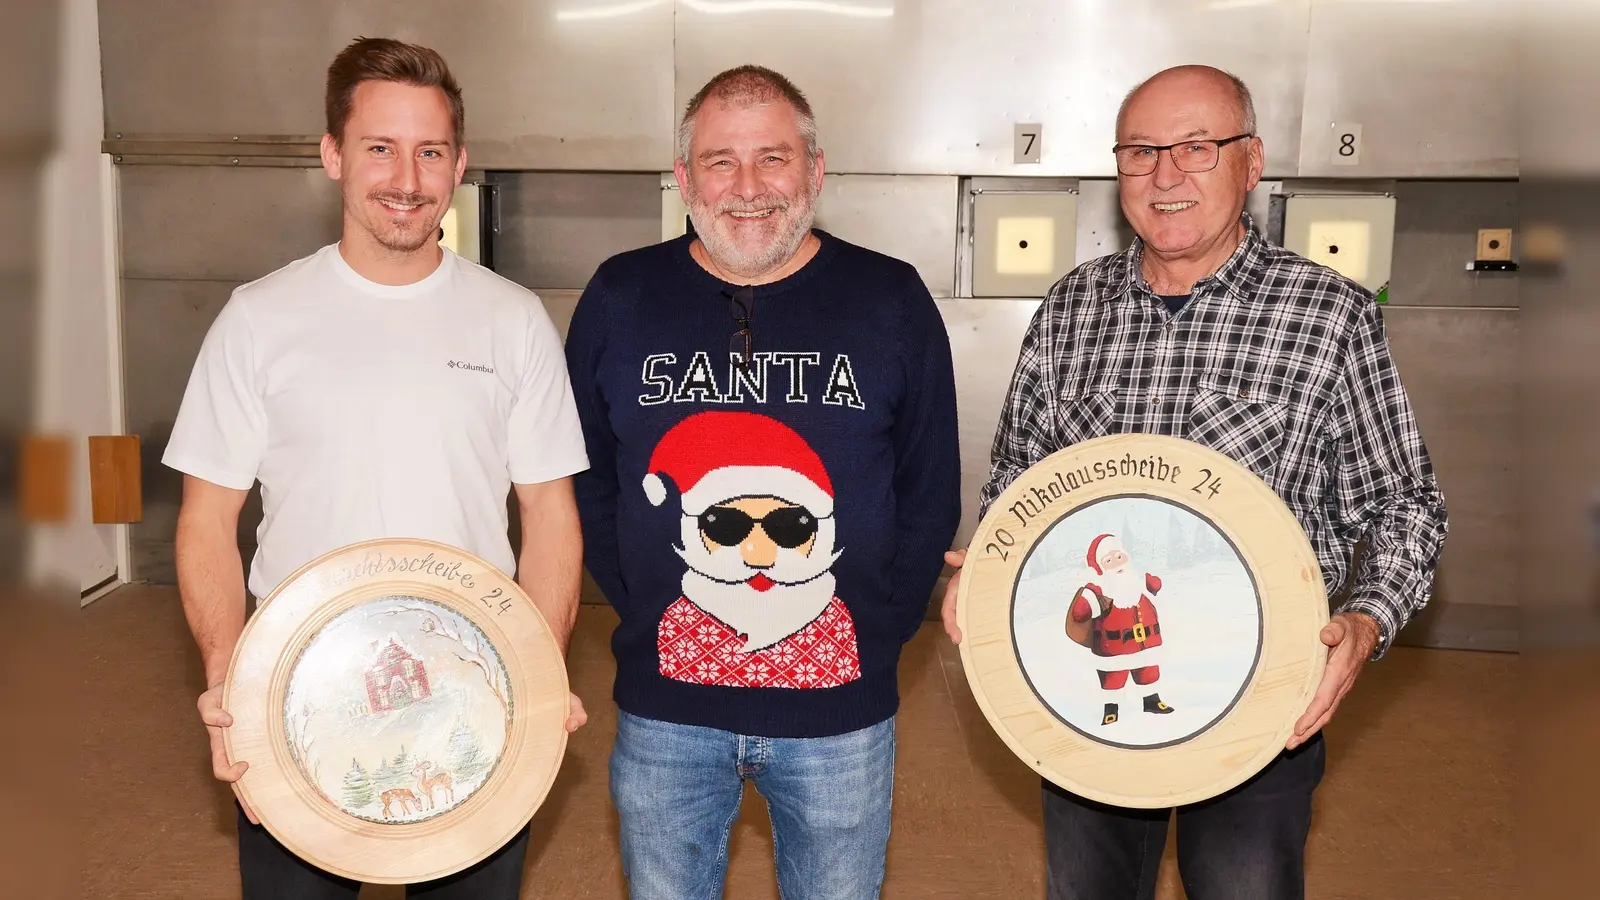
<point>1043,720</point>
<point>461,599</point>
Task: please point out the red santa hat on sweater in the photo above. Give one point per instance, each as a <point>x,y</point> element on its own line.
<point>716,456</point>
<point>1100,548</point>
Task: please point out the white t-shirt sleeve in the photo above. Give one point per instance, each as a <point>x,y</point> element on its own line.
<point>544,438</point>
<point>221,431</point>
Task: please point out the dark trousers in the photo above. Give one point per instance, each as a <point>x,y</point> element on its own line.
<point>1248,844</point>
<point>268,871</point>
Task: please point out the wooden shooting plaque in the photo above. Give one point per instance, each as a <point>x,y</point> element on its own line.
<point>402,706</point>
<point>1140,618</point>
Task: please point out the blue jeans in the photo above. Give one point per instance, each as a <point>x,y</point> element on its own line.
<point>677,790</point>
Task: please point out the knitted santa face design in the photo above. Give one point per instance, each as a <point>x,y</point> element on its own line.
<point>757,529</point>
<point>762,588</point>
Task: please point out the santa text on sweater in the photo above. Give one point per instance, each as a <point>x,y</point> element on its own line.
<point>757,534</point>
<point>1114,615</point>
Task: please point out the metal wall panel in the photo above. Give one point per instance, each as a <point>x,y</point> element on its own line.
<point>560,305</point>
<point>1460,368</point>
<point>190,235</point>
<point>1102,228</point>
<point>1436,235</point>
<point>936,86</point>
<point>1433,86</point>
<point>214,222</point>
<point>909,217</point>
<point>556,228</point>
<point>901,86</point>
<point>1560,428</point>
<point>555,83</point>
<point>985,336</point>
<point>163,324</point>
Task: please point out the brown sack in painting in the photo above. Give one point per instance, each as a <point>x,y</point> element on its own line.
<point>1079,632</point>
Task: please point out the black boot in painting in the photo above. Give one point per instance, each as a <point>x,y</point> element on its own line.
<point>1111,714</point>
<point>1154,704</point>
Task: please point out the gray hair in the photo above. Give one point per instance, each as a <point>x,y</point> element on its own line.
<point>750,85</point>
<point>1241,93</point>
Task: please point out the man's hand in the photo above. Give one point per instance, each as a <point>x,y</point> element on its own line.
<point>1351,638</point>
<point>953,558</point>
<point>216,719</point>
<point>576,717</point>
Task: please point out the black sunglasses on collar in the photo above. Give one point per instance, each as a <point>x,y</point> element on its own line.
<point>742,306</point>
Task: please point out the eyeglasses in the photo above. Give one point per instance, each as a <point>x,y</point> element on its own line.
<point>1189,156</point>
<point>788,526</point>
<point>742,305</point>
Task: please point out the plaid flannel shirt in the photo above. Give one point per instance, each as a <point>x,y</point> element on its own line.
<point>1276,362</point>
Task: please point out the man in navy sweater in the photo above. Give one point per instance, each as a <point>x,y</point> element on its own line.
<point>771,423</point>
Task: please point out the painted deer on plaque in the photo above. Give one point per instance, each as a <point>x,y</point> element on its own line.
<point>402,796</point>
<point>430,783</point>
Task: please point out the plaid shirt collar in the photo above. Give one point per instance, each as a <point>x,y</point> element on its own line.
<point>1240,276</point>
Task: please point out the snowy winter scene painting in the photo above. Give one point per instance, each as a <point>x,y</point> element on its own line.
<point>397,710</point>
<point>1136,622</point>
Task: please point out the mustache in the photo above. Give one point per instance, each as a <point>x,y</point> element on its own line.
<point>402,197</point>
<point>762,203</point>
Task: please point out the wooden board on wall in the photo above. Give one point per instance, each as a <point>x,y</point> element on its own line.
<point>114,478</point>
<point>44,473</point>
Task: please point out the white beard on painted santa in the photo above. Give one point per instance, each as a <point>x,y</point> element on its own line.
<point>719,583</point>
<point>1123,587</point>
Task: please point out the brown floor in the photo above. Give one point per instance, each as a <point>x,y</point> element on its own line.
<point>1417,801</point>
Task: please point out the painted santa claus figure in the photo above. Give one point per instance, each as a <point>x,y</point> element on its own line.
<point>757,534</point>
<point>1115,617</point>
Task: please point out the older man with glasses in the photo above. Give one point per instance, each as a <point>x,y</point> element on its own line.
<point>1204,331</point>
<point>771,423</point>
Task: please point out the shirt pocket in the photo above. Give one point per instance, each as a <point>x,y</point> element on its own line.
<point>1242,417</point>
<point>1088,408</point>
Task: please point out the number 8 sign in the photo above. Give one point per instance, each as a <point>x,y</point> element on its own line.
<point>1346,144</point>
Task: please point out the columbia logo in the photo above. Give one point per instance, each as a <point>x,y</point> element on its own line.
<point>459,364</point>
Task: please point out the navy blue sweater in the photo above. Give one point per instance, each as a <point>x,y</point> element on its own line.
<point>770,530</point>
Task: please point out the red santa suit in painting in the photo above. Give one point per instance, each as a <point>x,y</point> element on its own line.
<point>1125,630</point>
<point>757,534</point>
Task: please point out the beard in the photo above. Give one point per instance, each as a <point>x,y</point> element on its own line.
<point>780,234</point>
<point>402,237</point>
<point>1124,586</point>
<point>717,582</point>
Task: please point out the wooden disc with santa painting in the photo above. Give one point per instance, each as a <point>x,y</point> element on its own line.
<point>1139,619</point>
<point>402,708</point>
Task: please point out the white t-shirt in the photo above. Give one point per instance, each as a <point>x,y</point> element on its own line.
<point>371,411</point>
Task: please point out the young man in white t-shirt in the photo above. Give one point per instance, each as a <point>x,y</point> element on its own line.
<point>380,387</point>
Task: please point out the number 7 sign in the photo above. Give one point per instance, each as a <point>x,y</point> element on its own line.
<point>1028,143</point>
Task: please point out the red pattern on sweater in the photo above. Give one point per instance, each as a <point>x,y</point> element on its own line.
<point>697,647</point>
